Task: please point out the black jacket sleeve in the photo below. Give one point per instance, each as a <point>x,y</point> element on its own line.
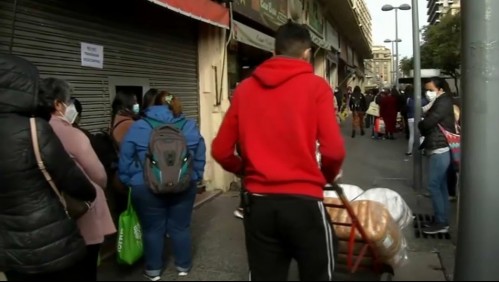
<point>438,112</point>
<point>67,176</point>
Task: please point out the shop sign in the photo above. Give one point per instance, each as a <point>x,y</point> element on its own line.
<point>253,37</point>
<point>271,13</point>
<point>92,55</point>
<point>314,19</point>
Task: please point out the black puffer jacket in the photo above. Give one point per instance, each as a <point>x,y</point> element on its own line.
<point>442,112</point>
<point>36,236</point>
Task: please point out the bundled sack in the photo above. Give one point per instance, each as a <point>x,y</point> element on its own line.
<point>351,192</point>
<point>398,208</point>
<point>379,226</point>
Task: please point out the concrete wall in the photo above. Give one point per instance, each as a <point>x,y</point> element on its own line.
<point>211,49</point>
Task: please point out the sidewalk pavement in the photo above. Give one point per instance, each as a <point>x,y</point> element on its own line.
<point>383,164</point>
<point>219,248</point>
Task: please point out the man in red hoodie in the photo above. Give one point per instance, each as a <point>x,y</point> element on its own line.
<point>277,116</point>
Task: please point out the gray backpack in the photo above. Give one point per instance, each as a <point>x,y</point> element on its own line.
<point>167,166</point>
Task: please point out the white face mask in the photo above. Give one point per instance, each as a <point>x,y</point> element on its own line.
<point>70,114</point>
<point>431,95</point>
<point>136,108</point>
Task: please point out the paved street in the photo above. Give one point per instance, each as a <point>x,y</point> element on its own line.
<point>219,242</point>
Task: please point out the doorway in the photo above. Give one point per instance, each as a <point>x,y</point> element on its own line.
<point>134,90</point>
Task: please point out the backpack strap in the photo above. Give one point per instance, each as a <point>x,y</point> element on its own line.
<point>153,123</point>
<point>180,124</point>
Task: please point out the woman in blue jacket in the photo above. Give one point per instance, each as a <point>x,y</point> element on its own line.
<point>161,215</point>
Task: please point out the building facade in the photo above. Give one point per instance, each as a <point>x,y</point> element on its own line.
<point>439,8</point>
<point>199,55</point>
<point>380,71</point>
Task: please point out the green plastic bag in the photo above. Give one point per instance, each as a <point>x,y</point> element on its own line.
<point>129,246</point>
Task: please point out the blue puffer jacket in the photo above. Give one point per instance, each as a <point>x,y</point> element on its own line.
<point>136,142</point>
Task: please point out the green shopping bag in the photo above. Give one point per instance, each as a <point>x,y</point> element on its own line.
<point>129,245</point>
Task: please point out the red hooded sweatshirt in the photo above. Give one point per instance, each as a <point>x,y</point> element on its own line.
<point>277,116</point>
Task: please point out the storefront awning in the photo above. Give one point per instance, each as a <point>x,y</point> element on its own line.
<point>204,10</point>
<point>253,37</point>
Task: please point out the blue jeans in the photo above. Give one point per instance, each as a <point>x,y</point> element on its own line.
<point>160,215</point>
<point>437,184</point>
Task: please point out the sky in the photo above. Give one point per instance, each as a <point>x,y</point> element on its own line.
<point>384,23</point>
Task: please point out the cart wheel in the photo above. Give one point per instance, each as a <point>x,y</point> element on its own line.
<point>386,276</point>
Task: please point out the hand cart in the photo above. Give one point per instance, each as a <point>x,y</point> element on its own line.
<point>358,251</point>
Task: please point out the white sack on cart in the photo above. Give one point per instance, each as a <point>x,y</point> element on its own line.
<point>398,208</point>
<point>351,192</point>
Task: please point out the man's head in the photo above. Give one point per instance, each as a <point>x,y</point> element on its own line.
<point>293,40</point>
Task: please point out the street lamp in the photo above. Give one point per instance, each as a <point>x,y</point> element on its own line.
<point>394,73</point>
<point>403,7</point>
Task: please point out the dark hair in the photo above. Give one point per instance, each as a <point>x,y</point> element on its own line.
<point>52,90</point>
<point>357,89</point>
<point>174,104</point>
<point>292,39</point>
<point>148,99</point>
<point>78,106</point>
<point>409,91</point>
<point>440,83</point>
<point>123,102</point>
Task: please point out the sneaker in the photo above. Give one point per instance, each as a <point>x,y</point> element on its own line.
<point>152,278</point>
<point>436,229</point>
<point>239,213</point>
<point>183,273</point>
<point>408,154</point>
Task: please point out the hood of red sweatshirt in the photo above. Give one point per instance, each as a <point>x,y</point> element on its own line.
<point>277,70</point>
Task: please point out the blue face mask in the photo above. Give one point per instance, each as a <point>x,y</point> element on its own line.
<point>136,108</point>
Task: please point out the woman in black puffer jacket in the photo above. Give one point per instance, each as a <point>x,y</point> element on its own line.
<point>441,113</point>
<point>37,239</point>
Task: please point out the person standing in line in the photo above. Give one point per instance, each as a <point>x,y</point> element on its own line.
<point>441,113</point>
<point>358,106</point>
<point>38,242</point>
<point>277,116</point>
<point>169,213</point>
<point>97,223</point>
<point>409,90</point>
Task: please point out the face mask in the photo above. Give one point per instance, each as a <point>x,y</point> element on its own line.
<point>70,113</point>
<point>136,108</point>
<point>431,95</point>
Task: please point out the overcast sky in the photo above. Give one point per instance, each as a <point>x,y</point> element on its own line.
<point>384,24</point>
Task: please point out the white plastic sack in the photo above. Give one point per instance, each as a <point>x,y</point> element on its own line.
<point>398,208</point>
<point>351,192</point>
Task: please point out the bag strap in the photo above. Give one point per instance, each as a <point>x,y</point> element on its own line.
<point>41,165</point>
<point>153,123</point>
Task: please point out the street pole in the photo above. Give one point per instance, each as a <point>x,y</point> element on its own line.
<point>393,62</point>
<point>477,245</point>
<point>397,48</point>
<point>418,158</point>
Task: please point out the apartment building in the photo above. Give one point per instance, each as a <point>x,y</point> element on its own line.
<point>439,8</point>
<point>380,67</point>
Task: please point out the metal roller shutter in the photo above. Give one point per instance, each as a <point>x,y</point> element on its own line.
<point>141,40</point>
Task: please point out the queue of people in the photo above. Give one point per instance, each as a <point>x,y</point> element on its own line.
<point>54,215</point>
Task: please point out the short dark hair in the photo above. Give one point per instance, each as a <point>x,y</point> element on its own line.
<point>149,97</point>
<point>292,39</point>
<point>78,106</point>
<point>357,89</point>
<point>51,90</point>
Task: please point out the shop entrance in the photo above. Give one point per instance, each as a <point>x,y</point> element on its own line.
<point>243,59</point>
